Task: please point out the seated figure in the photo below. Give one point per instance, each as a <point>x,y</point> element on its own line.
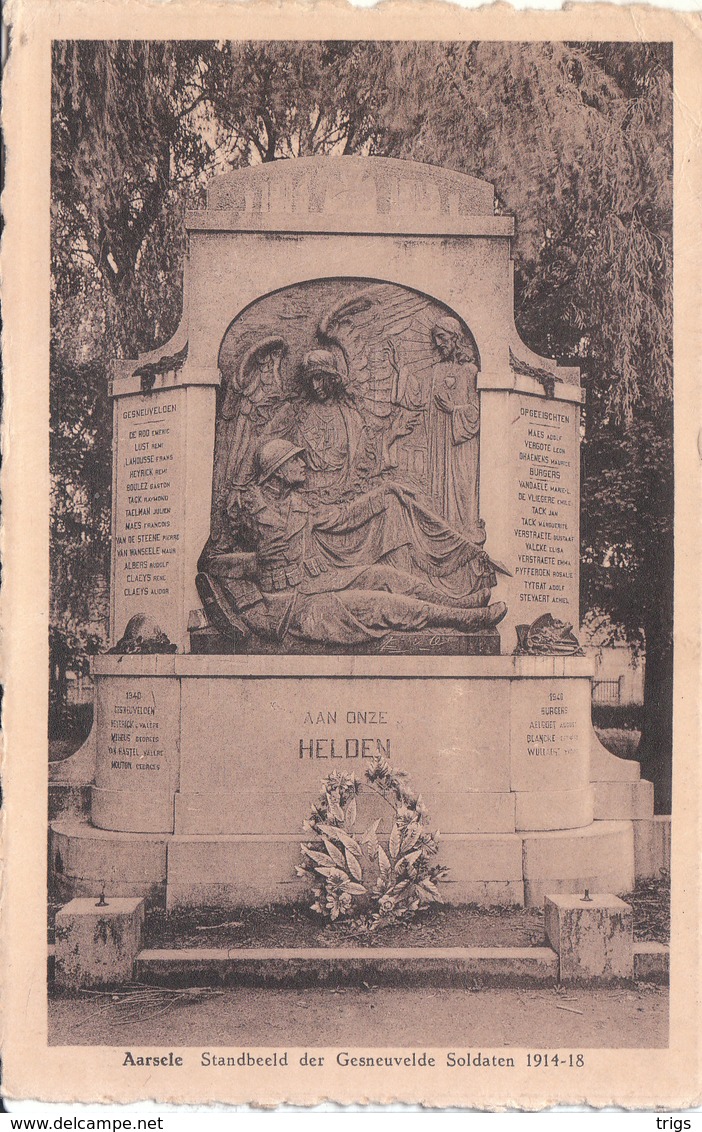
<point>324,421</point>
<point>284,570</point>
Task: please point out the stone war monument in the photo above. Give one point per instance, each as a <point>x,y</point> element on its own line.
<point>345,523</point>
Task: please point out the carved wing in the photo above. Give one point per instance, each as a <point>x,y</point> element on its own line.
<point>379,330</point>
<point>253,393</point>
<point>255,373</point>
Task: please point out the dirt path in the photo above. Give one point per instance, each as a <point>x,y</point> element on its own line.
<point>537,1019</point>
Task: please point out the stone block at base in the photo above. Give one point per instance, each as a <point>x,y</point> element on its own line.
<point>593,938</point>
<point>252,870</point>
<point>652,847</point>
<point>84,859</point>
<point>67,801</point>
<point>255,870</point>
<point>616,801</point>
<point>599,857</point>
<point>96,946</point>
<point>349,966</point>
<point>484,869</point>
<point>131,811</point>
<point>652,962</point>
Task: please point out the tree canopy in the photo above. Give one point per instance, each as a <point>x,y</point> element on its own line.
<point>576,138</point>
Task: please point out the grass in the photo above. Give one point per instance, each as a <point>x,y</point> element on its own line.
<point>621,742</point>
<point>651,904</point>
<point>296,926</point>
<point>438,926</point>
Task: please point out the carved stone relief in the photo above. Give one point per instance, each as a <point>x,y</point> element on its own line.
<point>372,379</point>
<point>347,444</point>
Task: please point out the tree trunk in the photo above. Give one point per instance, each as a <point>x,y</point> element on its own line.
<point>655,751</point>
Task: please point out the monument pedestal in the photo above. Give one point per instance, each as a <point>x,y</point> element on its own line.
<point>430,642</point>
<point>207,767</point>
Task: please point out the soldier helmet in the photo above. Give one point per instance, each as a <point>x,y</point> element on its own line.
<point>271,455</point>
<point>320,361</point>
<point>143,635</point>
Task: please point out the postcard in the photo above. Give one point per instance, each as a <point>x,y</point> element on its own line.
<point>351,542</point>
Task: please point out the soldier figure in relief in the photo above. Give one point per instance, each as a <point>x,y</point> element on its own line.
<point>284,569</point>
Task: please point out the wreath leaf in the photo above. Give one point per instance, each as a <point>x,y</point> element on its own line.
<point>353,866</point>
<point>336,855</point>
<point>394,844</point>
<point>354,877</point>
<point>335,810</point>
<point>430,888</point>
<point>411,836</point>
<point>317,857</point>
<point>371,834</point>
<point>332,873</point>
<point>350,815</point>
<point>336,834</point>
<point>383,862</point>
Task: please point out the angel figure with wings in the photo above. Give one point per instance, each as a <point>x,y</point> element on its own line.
<point>407,370</point>
<point>253,398</point>
<point>332,509</point>
<point>345,416</point>
<point>324,420</point>
<point>341,401</point>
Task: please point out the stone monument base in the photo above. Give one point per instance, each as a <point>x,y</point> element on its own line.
<point>254,870</point>
<point>207,766</point>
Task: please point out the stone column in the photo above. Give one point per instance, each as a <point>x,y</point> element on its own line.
<point>550,743</point>
<point>530,496</point>
<point>137,728</point>
<point>163,449</point>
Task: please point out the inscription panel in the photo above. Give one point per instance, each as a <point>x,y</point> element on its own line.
<point>546,512</point>
<point>269,736</point>
<point>148,510</point>
<point>137,721</point>
<point>382,186</point>
<point>550,735</point>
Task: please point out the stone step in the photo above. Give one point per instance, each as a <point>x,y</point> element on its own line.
<point>352,966</point>
<point>503,965</point>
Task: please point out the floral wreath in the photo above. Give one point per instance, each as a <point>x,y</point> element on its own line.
<point>356,879</point>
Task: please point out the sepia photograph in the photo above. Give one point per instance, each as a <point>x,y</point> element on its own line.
<point>340,467</point>
<point>361,561</point>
